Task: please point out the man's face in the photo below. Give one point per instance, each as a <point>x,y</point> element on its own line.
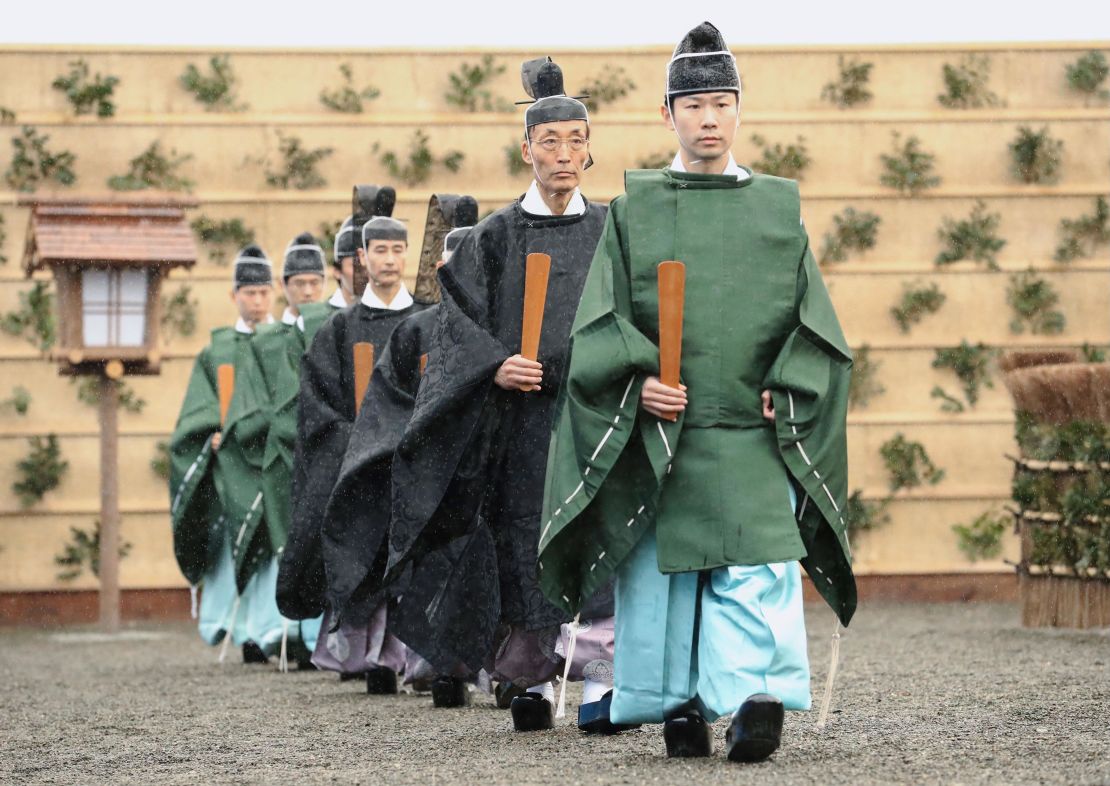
<point>254,302</point>
<point>706,123</point>
<point>344,274</point>
<point>304,288</point>
<point>558,153</point>
<point>384,261</point>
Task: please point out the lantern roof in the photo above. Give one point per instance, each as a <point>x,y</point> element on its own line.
<point>146,231</point>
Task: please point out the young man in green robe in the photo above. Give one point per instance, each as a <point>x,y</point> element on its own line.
<point>214,487</point>
<point>702,499</point>
<point>276,352</point>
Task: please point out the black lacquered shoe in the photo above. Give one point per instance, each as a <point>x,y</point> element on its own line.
<point>505,692</point>
<point>381,681</point>
<point>450,692</point>
<point>347,676</point>
<point>688,736</point>
<point>593,718</point>
<point>252,653</point>
<point>756,729</point>
<point>532,712</point>
<point>306,665</point>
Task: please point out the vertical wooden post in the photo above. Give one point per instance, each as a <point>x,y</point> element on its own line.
<point>109,505</point>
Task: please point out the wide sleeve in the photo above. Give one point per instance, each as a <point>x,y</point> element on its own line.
<point>439,470</point>
<point>323,427</point>
<point>600,470</point>
<point>194,504</point>
<point>809,382</point>
<point>356,521</point>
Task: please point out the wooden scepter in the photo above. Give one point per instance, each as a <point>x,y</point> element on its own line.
<point>672,296</point>
<point>364,369</point>
<point>536,271</point>
<point>225,387</point>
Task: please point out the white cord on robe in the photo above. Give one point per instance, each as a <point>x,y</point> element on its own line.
<point>562,709</point>
<point>283,659</point>
<point>193,601</point>
<point>230,628</point>
<point>826,700</point>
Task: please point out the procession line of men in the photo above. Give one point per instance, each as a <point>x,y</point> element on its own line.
<point>392,489</point>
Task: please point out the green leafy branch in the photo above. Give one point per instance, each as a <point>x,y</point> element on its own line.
<point>160,464</point>
<point>863,385</point>
<point>1087,75</point>
<point>216,89</point>
<point>88,392</point>
<point>1032,298</point>
<point>1081,237</point>
<point>33,164</point>
<point>468,89</point>
<point>908,464</point>
<point>970,364</point>
<point>909,169</point>
<point>346,98</point>
<point>220,236</point>
<point>298,165</point>
<point>852,231</point>
<point>974,238</point>
<point>418,167</point>
<point>790,161</point>
<point>850,87</point>
<point>179,313</point>
<point>1036,156</point>
<point>514,163</point>
<point>34,319</point>
<point>153,169</point>
<point>917,301</point>
<point>41,471</point>
<point>19,402</point>
<point>608,87</point>
<point>982,538</point>
<point>83,550</point>
<point>965,84</point>
<point>85,95</point>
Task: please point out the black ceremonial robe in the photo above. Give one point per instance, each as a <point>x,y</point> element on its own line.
<point>468,474</point>
<point>356,521</point>
<point>325,414</point>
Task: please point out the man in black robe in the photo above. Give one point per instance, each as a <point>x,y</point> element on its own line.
<point>325,413</point>
<point>356,522</point>
<point>468,474</point>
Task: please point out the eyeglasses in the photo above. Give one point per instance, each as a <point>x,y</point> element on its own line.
<point>575,144</point>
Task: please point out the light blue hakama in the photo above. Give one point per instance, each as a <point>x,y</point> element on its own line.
<point>747,635</point>
<point>217,597</point>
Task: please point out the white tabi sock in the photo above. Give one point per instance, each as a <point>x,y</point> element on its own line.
<point>593,690</point>
<point>545,689</point>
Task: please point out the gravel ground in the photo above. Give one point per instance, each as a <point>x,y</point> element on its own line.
<point>926,694</point>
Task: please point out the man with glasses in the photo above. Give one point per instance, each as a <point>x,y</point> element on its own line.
<point>468,473</point>
<point>702,497</point>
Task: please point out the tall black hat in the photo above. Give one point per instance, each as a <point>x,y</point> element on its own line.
<point>543,82</point>
<point>367,201</point>
<point>446,213</point>
<point>346,242</point>
<point>702,63</point>
<point>252,267</point>
<point>303,255</point>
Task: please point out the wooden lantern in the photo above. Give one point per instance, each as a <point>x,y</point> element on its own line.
<point>109,259</point>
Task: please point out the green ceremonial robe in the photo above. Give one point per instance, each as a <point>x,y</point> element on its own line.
<point>714,483</point>
<point>215,494</point>
<point>276,351</point>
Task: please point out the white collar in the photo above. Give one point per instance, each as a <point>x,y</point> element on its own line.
<point>288,317</point>
<point>732,168</point>
<point>401,300</point>
<point>337,298</point>
<point>533,203</point>
<point>241,325</point>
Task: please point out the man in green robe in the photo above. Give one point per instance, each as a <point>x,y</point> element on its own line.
<point>215,493</point>
<point>276,353</point>
<point>703,499</point>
